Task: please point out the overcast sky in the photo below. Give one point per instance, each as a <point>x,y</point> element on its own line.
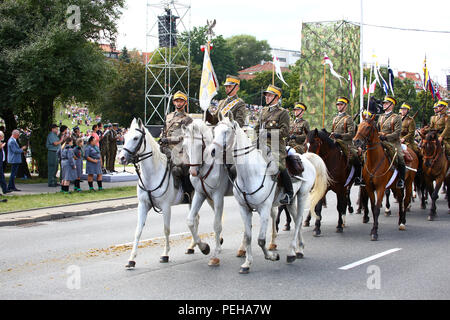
<point>279,22</point>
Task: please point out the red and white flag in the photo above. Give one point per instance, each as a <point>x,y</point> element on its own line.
<point>327,61</point>
<point>352,85</point>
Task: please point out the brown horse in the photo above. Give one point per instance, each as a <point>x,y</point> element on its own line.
<point>434,167</point>
<point>320,143</point>
<point>377,173</point>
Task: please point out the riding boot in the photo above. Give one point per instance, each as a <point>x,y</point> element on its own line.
<point>287,184</point>
<point>231,168</point>
<point>401,176</point>
<point>177,173</point>
<point>358,174</point>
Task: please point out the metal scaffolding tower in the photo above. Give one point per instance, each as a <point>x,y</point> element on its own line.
<point>168,64</point>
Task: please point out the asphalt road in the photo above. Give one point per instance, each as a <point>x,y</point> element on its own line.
<point>85,258</point>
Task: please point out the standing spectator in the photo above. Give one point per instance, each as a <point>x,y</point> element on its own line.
<point>104,146</point>
<point>24,141</point>
<point>53,144</point>
<point>78,153</point>
<point>14,158</point>
<point>2,160</point>
<point>68,166</point>
<point>95,135</point>
<point>76,133</point>
<point>93,164</point>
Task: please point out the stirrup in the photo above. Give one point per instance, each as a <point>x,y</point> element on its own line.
<point>400,184</point>
<point>359,182</point>
<point>286,200</point>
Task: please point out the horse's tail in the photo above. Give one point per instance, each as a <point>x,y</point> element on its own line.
<point>321,183</point>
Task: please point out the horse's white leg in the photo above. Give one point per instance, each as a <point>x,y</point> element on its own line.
<point>264,215</point>
<point>218,212</point>
<point>193,219</point>
<point>167,215</point>
<point>297,246</point>
<point>247,219</point>
<point>273,244</point>
<point>143,209</point>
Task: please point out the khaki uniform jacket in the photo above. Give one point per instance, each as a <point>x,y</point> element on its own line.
<point>239,111</point>
<point>275,120</point>
<point>172,127</point>
<point>408,132</point>
<point>298,128</point>
<point>441,123</point>
<point>391,125</point>
<point>343,124</point>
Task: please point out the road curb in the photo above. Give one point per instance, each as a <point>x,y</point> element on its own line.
<point>63,215</point>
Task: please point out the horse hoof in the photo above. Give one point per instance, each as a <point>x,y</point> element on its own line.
<point>241,254</point>
<point>366,220</point>
<point>431,218</point>
<point>423,207</point>
<point>277,257</point>
<point>287,228</point>
<point>190,251</point>
<point>402,227</point>
<point>387,213</point>
<point>221,241</point>
<point>373,237</point>
<point>299,255</point>
<point>290,259</point>
<point>358,211</point>
<point>130,265</point>
<point>245,270</point>
<point>339,230</point>
<point>214,262</point>
<point>350,210</point>
<point>306,224</point>
<point>317,233</point>
<point>206,250</point>
<point>272,247</point>
<point>164,259</point>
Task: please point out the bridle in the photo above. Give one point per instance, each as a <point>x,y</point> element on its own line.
<point>366,138</point>
<point>137,158</point>
<point>436,153</point>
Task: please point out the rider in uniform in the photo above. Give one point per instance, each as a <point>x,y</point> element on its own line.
<point>275,120</point>
<point>408,128</point>
<point>232,104</point>
<point>390,128</point>
<point>298,129</point>
<point>171,136</point>
<point>343,130</point>
<point>441,123</point>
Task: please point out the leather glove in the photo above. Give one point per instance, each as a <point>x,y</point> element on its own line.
<point>337,136</point>
<point>383,138</point>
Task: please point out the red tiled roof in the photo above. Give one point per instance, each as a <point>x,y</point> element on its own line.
<point>107,48</point>
<point>251,72</point>
<point>415,77</point>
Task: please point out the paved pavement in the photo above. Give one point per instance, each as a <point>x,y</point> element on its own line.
<point>60,212</point>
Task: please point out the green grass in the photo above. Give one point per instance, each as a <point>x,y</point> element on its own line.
<point>35,201</point>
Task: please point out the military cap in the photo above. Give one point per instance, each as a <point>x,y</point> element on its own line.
<point>405,106</point>
<point>106,125</point>
<point>115,124</point>
<point>273,90</point>
<point>299,106</point>
<point>180,95</point>
<point>442,103</point>
<point>232,80</point>
<point>390,99</point>
<point>342,100</point>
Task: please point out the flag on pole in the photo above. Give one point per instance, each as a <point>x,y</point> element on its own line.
<point>209,86</point>
<point>278,72</point>
<point>373,86</point>
<point>365,90</point>
<point>426,76</point>
<point>391,80</point>
<point>352,85</point>
<point>327,61</point>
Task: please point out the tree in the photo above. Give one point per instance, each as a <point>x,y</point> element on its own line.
<point>42,59</point>
<point>248,51</point>
<point>124,56</point>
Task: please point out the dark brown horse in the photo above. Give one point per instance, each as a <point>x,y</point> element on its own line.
<point>434,167</point>
<point>377,173</point>
<point>320,143</point>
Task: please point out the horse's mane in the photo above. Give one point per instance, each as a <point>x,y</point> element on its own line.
<point>158,156</point>
<point>323,135</point>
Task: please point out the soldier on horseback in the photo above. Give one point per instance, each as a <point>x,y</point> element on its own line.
<point>342,132</point>
<point>408,129</point>
<point>276,121</point>
<point>299,129</point>
<point>441,123</point>
<point>390,128</point>
<point>171,138</point>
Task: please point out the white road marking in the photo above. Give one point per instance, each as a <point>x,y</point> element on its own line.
<point>371,258</point>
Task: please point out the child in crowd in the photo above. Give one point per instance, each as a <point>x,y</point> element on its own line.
<point>78,153</point>
<point>68,167</point>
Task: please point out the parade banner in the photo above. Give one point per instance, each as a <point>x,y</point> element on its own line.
<point>209,85</point>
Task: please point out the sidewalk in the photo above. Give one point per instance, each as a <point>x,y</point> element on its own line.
<point>64,211</point>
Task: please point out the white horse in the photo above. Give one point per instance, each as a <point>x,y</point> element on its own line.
<point>209,178</point>
<point>256,190</point>
<point>155,188</point>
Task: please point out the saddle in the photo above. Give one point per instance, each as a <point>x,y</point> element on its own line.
<point>344,148</point>
<point>390,151</point>
<point>294,165</point>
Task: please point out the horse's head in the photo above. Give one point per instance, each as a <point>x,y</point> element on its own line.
<point>313,141</point>
<point>133,143</point>
<point>367,133</point>
<point>430,147</point>
<point>197,136</point>
<point>224,137</point>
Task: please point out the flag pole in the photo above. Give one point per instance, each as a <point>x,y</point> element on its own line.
<point>361,65</point>
<point>324,84</point>
<point>273,73</point>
